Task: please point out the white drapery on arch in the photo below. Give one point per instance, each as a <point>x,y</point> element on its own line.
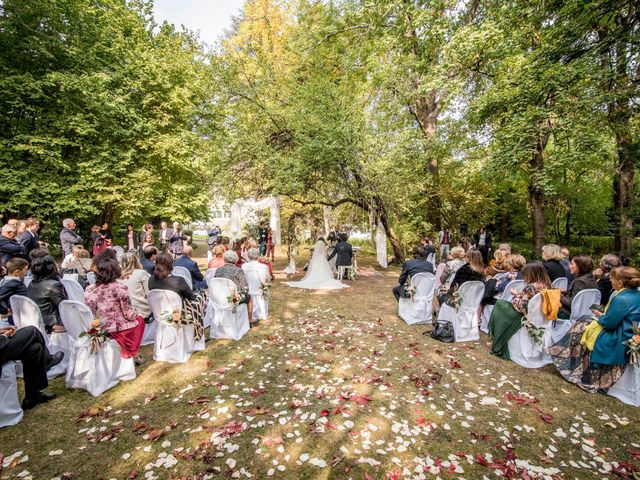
<point>381,245</point>
<point>240,208</point>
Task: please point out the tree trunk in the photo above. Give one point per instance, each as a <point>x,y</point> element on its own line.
<point>398,251</point>
<point>567,226</point>
<point>536,192</point>
<point>622,192</point>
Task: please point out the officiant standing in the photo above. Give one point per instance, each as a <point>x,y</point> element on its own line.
<point>263,235</point>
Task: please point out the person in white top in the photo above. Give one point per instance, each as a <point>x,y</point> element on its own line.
<point>253,264</point>
<point>137,281</point>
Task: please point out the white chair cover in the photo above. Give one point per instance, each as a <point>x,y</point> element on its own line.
<point>94,372</point>
<point>27,313</point>
<point>73,289</point>
<point>420,308</point>
<point>27,281</point>
<point>10,410</point>
<point>209,255</point>
<point>561,282</point>
<point>209,312</point>
<point>523,350</point>
<point>518,285</point>
<point>174,344</point>
<point>226,323</point>
<point>431,258</point>
<point>579,308</point>
<point>119,252</point>
<point>465,318</point>
<point>150,331</point>
<point>91,278</point>
<point>627,389</point>
<point>438,274</point>
<point>255,279</point>
<point>71,276</point>
<point>184,273</point>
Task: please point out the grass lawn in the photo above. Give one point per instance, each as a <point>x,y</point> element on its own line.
<point>332,386</point>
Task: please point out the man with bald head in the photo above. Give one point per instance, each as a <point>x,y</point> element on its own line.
<point>186,261</point>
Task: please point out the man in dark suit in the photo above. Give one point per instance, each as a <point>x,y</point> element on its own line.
<point>9,246</point>
<point>185,261</point>
<point>482,241</point>
<point>12,285</point>
<point>148,259</point>
<point>343,250</point>
<point>27,345</point>
<point>29,239</point>
<point>263,235</point>
<point>410,268</point>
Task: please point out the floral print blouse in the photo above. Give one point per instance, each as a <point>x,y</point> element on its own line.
<point>520,300</point>
<point>113,303</point>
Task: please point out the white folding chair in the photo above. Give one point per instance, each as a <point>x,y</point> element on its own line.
<point>10,410</point>
<point>210,312</point>
<point>579,308</point>
<point>431,258</point>
<point>561,282</point>
<point>71,276</point>
<point>260,304</point>
<point>518,285</point>
<point>226,322</point>
<point>27,313</point>
<point>119,251</point>
<point>184,273</point>
<point>465,317</point>
<point>627,389</point>
<point>27,280</point>
<point>419,308</point>
<point>91,278</point>
<point>174,343</point>
<point>523,350</point>
<point>438,274</point>
<point>73,289</point>
<point>94,372</point>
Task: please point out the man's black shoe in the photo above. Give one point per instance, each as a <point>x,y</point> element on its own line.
<point>41,397</point>
<point>56,358</point>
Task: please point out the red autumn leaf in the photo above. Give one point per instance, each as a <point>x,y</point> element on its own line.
<point>133,475</point>
<point>232,428</point>
<point>361,400</point>
<point>141,427</point>
<point>421,421</point>
<point>545,417</point>
<point>635,454</point>
<point>156,434</point>
<point>367,476</point>
<point>454,364</point>
<point>460,454</point>
<point>519,399</point>
<point>324,413</point>
<point>480,460</point>
<point>381,334</point>
<point>330,426</point>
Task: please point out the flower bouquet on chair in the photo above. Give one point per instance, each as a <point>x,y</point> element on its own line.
<point>266,289</point>
<point>634,346</point>
<point>454,300</point>
<point>409,290</point>
<point>97,336</point>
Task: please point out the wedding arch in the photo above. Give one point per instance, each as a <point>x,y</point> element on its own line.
<point>241,207</point>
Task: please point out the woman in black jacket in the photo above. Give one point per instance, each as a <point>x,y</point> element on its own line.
<point>47,291</point>
<point>551,256</point>
<point>582,269</point>
<point>471,271</point>
<point>607,263</point>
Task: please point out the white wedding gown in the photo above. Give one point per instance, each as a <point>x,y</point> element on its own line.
<point>319,275</point>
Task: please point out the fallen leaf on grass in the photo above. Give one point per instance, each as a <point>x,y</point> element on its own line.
<point>361,400</point>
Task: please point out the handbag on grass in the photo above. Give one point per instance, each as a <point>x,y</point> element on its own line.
<point>443,331</point>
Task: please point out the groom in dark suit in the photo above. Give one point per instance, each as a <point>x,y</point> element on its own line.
<point>343,250</point>
<point>410,268</point>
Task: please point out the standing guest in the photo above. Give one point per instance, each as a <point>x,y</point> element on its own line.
<point>148,260</point>
<point>410,268</point>
<point>551,256</point>
<point>237,248</point>
<point>13,284</point>
<point>177,239</point>
<point>217,260</point>
<point>147,241</point>
<point>582,270</point>
<point>21,226</point>
<point>596,361</point>
<point>262,238</point>
<point>231,272</point>
<point>193,303</point>
<point>164,236</point>
<point>213,234</point>
<point>343,252</point>
<point>271,246</point>
<point>9,246</point>
<point>147,228</point>
<point>68,237</point>
<point>29,347</point>
<point>566,264</point>
<point>102,239</point>
<point>607,263</point>
<point>187,262</point>
<point>427,245</point>
<point>137,282</point>
<point>473,270</point>
<point>13,222</point>
<point>29,239</point>
<point>452,266</point>
<point>132,239</point>
<point>506,316</point>
<point>95,234</point>
<point>109,300</point>
<point>105,231</point>
<point>444,240</point>
<point>47,291</point>
<point>482,240</point>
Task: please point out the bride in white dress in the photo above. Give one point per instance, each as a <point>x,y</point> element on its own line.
<point>319,275</point>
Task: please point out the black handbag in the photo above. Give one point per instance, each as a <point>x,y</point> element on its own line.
<point>443,331</point>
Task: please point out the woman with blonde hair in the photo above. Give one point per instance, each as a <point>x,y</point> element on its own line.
<point>593,354</point>
<point>457,260</point>
<point>496,265</point>
<point>217,261</point>
<point>551,256</point>
<point>137,281</point>
<point>513,265</point>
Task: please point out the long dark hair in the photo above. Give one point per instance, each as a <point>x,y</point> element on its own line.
<point>44,268</point>
<point>107,270</point>
<point>535,272</point>
<point>164,265</point>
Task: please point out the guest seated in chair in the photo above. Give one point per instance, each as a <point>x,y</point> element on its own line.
<point>592,354</point>
<point>496,265</point>
<point>13,285</point>
<point>80,264</point>
<point>217,260</point>
<point>513,265</point>
<point>410,268</point>
<point>552,256</point>
<point>457,260</point>
<point>255,264</point>
<point>607,263</point>
<point>110,303</point>
<point>185,260</point>
<point>47,291</point>
<point>193,303</point>
<point>473,270</point>
<point>506,316</point>
<point>231,272</point>
<point>136,279</point>
<point>148,259</point>
<point>27,345</point>
<point>582,270</point>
